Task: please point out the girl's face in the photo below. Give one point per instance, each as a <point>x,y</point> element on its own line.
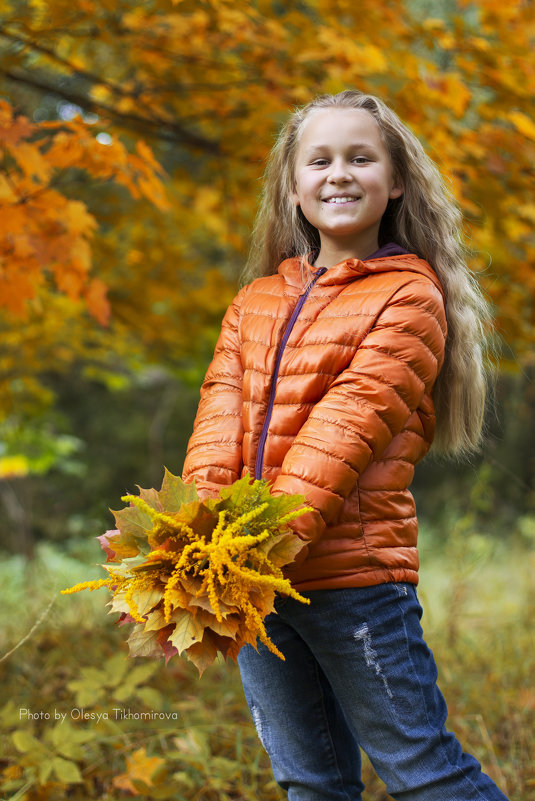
<point>343,182</point>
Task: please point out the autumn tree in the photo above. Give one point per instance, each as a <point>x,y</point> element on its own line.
<point>129,186</point>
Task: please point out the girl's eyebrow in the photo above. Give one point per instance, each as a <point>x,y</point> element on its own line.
<point>313,149</point>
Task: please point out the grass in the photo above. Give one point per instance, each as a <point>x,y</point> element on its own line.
<point>199,742</point>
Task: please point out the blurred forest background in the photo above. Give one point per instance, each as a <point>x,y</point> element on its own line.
<point>133,139</point>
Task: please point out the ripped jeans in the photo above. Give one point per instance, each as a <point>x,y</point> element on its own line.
<point>357,673</point>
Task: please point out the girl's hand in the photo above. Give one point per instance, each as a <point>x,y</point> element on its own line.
<point>308,527</point>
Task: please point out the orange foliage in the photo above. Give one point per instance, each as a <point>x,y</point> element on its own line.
<point>45,233</point>
<point>207,83</point>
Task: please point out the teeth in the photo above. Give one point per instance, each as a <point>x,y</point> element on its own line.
<point>341,199</point>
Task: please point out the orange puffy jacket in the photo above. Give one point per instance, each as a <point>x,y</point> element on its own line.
<point>323,387</point>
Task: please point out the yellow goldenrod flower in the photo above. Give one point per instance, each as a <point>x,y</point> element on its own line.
<point>87,585</point>
<point>221,571</point>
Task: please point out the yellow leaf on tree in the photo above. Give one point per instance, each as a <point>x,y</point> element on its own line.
<point>523,123</point>
<point>77,218</point>
<point>31,161</point>
<point>188,78</point>
<point>97,301</point>
<point>7,193</point>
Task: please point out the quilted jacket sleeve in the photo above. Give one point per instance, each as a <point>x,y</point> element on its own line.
<point>214,453</point>
<point>367,405</point>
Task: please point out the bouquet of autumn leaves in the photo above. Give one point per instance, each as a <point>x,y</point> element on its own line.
<point>199,577</point>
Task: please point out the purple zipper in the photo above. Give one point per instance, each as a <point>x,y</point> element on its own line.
<point>271,401</point>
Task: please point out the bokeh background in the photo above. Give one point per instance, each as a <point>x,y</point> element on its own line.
<point>133,138</point>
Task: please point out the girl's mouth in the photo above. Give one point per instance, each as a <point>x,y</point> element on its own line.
<point>341,200</point>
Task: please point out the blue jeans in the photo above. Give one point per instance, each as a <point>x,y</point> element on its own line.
<point>357,673</point>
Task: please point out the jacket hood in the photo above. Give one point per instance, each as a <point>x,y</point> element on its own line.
<point>295,270</point>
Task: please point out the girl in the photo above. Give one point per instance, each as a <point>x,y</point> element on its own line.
<point>362,322</point>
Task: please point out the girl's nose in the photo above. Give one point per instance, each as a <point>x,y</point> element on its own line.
<point>339,172</point>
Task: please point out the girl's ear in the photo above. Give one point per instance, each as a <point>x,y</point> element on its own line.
<point>395,192</point>
<point>294,197</point>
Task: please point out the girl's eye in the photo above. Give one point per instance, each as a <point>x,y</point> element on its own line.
<point>324,162</point>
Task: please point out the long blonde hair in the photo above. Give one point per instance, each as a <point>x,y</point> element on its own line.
<point>425,220</point>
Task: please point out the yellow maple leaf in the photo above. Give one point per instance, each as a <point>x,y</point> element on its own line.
<point>188,630</point>
<point>142,772</point>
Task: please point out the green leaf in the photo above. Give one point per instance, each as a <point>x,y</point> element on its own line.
<point>115,669</point>
<point>10,714</point>
<point>152,698</point>
<point>123,693</point>
<point>243,491</point>
<point>182,777</point>
<point>151,497</point>
<point>67,771</point>
<point>68,740</point>
<point>139,674</point>
<point>281,505</point>
<point>92,675</point>
<point>44,770</point>
<point>133,523</point>
<point>87,694</point>
<point>89,688</point>
<point>175,492</point>
<point>194,743</point>
<point>244,495</point>
<point>71,750</point>
<point>225,769</point>
<point>26,742</point>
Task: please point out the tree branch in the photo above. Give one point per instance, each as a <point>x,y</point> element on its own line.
<point>53,56</point>
<point>156,127</point>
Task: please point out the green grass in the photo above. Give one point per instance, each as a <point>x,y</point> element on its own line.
<point>199,742</point>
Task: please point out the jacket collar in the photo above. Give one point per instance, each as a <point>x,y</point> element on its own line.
<point>298,271</point>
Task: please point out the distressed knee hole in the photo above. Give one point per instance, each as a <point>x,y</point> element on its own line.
<point>258,722</point>
<point>362,635</point>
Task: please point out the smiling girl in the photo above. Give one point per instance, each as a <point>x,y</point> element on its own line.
<point>362,328</point>
<point>343,182</point>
